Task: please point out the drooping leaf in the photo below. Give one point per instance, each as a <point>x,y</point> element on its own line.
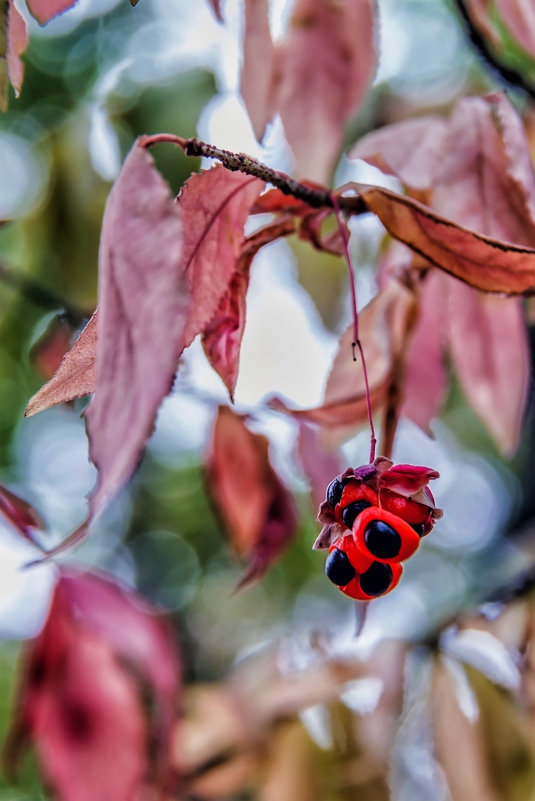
<point>488,264</point>
<point>45,10</point>
<point>90,701</point>
<point>256,74</point>
<point>143,310</point>
<point>425,381</point>
<point>74,378</point>
<point>256,509</point>
<point>487,339</point>
<point>20,514</point>
<point>410,149</point>
<point>322,70</point>
<point>215,205</point>
<point>381,327</point>
<point>221,338</point>
<point>13,43</point>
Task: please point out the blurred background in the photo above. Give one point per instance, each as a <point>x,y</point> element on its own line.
<point>95,78</point>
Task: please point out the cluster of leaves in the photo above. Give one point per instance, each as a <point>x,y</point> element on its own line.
<point>104,669</point>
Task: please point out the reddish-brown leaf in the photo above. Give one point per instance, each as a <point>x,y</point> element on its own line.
<point>382,325</point>
<point>19,513</point>
<point>45,10</point>
<point>143,309</point>
<point>256,509</point>
<point>102,672</point>
<point>410,149</point>
<point>484,263</point>
<point>215,205</point>
<point>256,85</point>
<point>426,379</point>
<point>322,71</point>
<point>488,344</point>
<point>17,42</point>
<point>74,377</point>
<point>221,338</point>
<point>485,180</point>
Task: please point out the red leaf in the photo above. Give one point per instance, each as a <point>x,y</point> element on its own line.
<point>255,507</point>
<point>17,42</point>
<point>222,337</point>
<point>19,513</point>
<point>143,305</point>
<point>256,73</point>
<point>45,10</point>
<point>89,692</point>
<point>215,205</point>
<point>482,262</point>
<point>322,71</point>
<point>411,149</point>
<point>74,377</point>
<point>488,342</point>
<point>382,325</point>
<point>426,379</point>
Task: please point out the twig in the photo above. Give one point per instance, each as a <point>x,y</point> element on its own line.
<point>315,196</point>
<point>508,74</point>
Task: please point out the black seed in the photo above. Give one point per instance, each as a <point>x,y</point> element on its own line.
<point>382,540</point>
<point>334,492</point>
<point>338,568</point>
<point>352,510</point>
<point>377,579</point>
<point>419,528</point>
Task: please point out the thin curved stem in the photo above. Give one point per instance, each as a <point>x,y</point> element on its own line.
<point>356,344</point>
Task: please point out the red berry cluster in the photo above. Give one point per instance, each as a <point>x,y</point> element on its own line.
<point>374,518</point>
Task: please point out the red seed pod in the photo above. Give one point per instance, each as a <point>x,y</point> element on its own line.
<point>357,496</point>
<point>384,536</point>
<point>357,575</point>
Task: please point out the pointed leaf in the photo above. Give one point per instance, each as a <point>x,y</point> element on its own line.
<point>215,205</point>
<point>488,342</point>
<point>143,300</point>
<point>322,71</point>
<point>74,377</point>
<point>426,379</point>
<point>215,5</point>
<point>89,685</point>
<point>221,338</point>
<point>482,262</point>
<point>17,42</point>
<point>45,10</point>
<point>519,16</point>
<point>410,149</point>
<point>255,507</point>
<point>256,74</point>
<point>485,653</point>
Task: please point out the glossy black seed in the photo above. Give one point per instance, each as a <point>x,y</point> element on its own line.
<point>334,492</point>
<point>419,528</point>
<point>338,568</point>
<point>352,510</point>
<point>377,579</point>
<point>382,540</point>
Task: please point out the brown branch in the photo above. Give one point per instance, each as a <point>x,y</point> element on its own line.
<point>314,195</point>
